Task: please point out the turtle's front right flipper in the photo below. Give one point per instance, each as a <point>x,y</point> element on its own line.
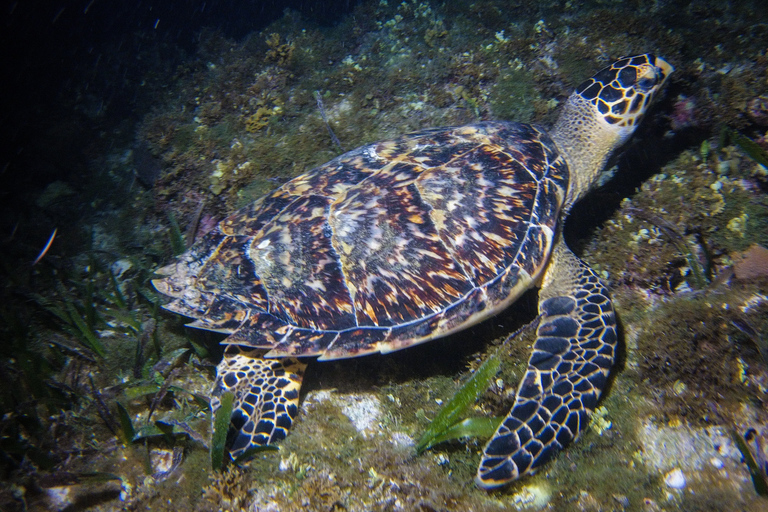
<point>567,371</point>
<point>266,396</point>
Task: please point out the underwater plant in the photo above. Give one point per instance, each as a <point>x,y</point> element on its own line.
<point>449,422</point>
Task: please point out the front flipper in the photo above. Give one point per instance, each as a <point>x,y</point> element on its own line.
<point>266,396</point>
<point>567,371</point>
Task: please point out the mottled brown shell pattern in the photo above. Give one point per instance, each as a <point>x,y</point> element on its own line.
<point>389,245</point>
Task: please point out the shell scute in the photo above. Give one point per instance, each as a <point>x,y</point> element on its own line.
<point>392,254</point>
<point>260,330</point>
<point>356,342</point>
<point>223,315</point>
<point>230,272</point>
<point>253,217</point>
<point>294,256</point>
<point>339,174</point>
<point>536,245</point>
<point>303,342</point>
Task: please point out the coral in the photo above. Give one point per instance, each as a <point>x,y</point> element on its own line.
<point>279,54</point>
<point>229,490</point>
<point>514,97</point>
<point>435,32</point>
<point>687,334</point>
<point>711,210</point>
<point>258,120</point>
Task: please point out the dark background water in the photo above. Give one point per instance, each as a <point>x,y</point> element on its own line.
<point>91,56</point>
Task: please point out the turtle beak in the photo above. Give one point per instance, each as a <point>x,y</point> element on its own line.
<point>664,69</point>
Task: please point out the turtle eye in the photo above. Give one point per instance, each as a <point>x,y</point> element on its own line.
<point>645,84</point>
<point>647,78</point>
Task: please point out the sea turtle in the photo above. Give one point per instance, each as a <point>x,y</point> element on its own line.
<point>407,240</point>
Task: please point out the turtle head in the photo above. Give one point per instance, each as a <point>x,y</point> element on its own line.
<point>603,113</point>
<point>621,93</point>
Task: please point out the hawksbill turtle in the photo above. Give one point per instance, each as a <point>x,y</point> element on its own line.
<point>403,241</point>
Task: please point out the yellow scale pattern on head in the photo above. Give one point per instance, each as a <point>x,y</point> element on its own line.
<point>612,93</point>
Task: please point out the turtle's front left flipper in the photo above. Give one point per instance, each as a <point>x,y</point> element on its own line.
<point>266,396</point>
<point>568,369</point>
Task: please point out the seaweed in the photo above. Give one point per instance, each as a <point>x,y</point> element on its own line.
<point>184,427</point>
<point>253,450</point>
<point>76,309</point>
<point>161,392</point>
<point>447,424</point>
<point>469,427</point>
<point>320,107</point>
<point>76,321</point>
<point>199,400</point>
<point>747,328</point>
<point>28,394</point>
<point>700,274</point>
<point>165,429</point>
<point>126,425</point>
<point>755,471</point>
<point>117,297</point>
<point>178,244</point>
<point>87,335</point>
<point>220,429</point>
<point>102,408</point>
<point>169,428</point>
<point>751,148</point>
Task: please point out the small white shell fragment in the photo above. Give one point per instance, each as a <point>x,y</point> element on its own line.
<point>401,439</point>
<point>162,460</point>
<point>716,462</point>
<point>532,497</point>
<point>675,479</point>
<point>59,498</point>
<point>363,411</point>
<point>120,267</point>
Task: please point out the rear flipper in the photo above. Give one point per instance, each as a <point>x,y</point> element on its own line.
<point>266,396</point>
<point>568,369</point>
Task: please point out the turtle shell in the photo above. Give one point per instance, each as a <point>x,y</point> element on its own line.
<point>389,245</point>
